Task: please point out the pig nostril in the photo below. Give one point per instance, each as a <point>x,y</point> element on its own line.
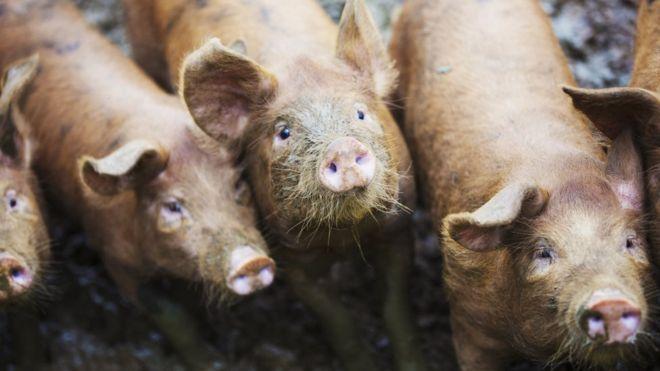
<point>358,159</point>
<point>627,315</point>
<point>333,167</point>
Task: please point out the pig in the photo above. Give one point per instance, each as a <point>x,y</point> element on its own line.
<point>153,193</point>
<point>635,108</point>
<point>24,250</point>
<point>306,102</point>
<point>545,256</point>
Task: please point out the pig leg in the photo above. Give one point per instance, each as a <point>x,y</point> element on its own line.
<point>475,351</point>
<point>171,319</point>
<point>28,347</point>
<point>181,330</point>
<point>394,262</point>
<point>335,319</point>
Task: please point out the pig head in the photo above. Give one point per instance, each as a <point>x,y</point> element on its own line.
<point>183,208</point>
<point>567,261</point>
<point>321,146</point>
<point>24,244</point>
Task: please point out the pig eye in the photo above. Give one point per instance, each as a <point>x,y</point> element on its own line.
<point>360,115</point>
<point>544,252</point>
<point>12,201</point>
<point>172,215</point>
<point>631,242</point>
<point>173,207</point>
<point>285,133</point>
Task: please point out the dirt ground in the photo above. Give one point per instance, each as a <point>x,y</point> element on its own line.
<point>85,325</point>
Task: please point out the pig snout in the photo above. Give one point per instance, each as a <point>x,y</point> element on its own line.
<point>249,270</point>
<point>347,164</point>
<point>15,277</point>
<point>609,315</point>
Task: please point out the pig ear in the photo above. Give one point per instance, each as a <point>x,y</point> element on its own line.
<point>359,44</point>
<point>134,164</point>
<point>615,109</point>
<point>624,170</point>
<point>484,229</point>
<point>14,136</point>
<point>222,88</point>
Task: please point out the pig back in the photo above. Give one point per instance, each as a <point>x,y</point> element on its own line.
<point>273,31</point>
<point>646,72</point>
<point>481,82</point>
<point>85,98</point>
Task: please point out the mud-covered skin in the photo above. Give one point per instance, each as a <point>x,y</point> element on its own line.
<point>24,245</point>
<point>177,205</point>
<point>536,220</point>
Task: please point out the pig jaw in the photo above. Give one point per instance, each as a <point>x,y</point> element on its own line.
<point>606,325</point>
<point>319,194</point>
<point>236,270</point>
<point>615,320</point>
<point>239,264</point>
<point>249,270</point>
<point>16,276</point>
<point>20,259</point>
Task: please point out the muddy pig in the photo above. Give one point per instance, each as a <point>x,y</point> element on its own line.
<point>304,100</point>
<point>24,248</point>
<point>544,251</point>
<point>153,193</point>
<point>636,107</point>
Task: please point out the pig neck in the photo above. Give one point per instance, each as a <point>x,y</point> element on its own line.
<point>274,34</point>
<point>646,73</point>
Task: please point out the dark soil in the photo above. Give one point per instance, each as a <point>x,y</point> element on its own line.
<point>84,324</point>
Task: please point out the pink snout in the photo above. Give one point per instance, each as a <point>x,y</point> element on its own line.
<point>15,277</point>
<point>611,316</point>
<point>347,164</point>
<point>249,270</point>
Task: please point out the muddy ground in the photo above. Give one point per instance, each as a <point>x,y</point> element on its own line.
<point>85,325</point>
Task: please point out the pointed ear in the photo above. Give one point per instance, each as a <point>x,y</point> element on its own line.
<point>485,228</point>
<point>14,134</point>
<point>624,170</point>
<point>615,109</point>
<point>132,165</point>
<point>222,88</point>
<point>359,44</point>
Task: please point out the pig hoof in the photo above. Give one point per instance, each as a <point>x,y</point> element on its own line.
<point>15,278</point>
<point>250,271</point>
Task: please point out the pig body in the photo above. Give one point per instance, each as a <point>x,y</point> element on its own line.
<point>124,159</point>
<point>544,255</point>
<point>305,100</point>
<point>24,249</point>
